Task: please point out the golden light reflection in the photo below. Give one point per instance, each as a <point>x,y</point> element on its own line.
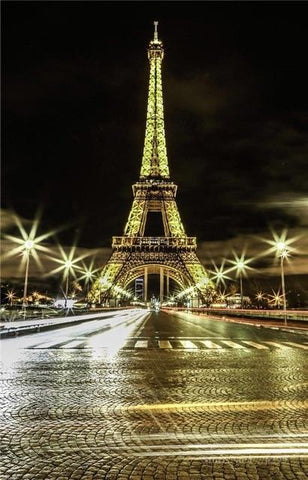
<point>222,406</point>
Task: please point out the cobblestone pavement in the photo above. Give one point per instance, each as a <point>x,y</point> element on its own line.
<point>91,403</point>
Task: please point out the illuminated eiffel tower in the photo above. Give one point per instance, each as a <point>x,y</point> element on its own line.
<point>172,256</point>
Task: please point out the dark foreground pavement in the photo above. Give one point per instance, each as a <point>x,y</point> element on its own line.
<point>155,396</point>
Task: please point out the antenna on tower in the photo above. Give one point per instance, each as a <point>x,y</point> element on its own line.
<point>155,31</point>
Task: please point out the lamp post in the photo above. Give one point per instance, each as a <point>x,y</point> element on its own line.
<point>283,253</point>
<point>87,276</point>
<point>28,246</point>
<point>68,265</point>
<point>282,246</point>
<point>241,266</point>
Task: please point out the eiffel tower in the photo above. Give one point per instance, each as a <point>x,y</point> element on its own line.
<point>172,256</point>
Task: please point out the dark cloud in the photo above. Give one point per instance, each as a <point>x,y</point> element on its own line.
<point>75,84</point>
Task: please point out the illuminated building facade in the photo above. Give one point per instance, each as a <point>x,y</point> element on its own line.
<point>173,255</point>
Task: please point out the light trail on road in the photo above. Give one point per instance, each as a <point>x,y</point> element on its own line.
<point>108,332</point>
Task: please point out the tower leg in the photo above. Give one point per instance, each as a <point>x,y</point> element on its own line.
<point>167,286</point>
<point>145,284</point>
<point>161,290</point>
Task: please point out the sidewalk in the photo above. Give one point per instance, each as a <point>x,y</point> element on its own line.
<point>292,326</point>
<point>22,327</point>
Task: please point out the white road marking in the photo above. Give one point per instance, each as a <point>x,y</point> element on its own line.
<point>188,344</point>
<point>210,344</point>
<point>298,345</point>
<point>164,344</point>
<point>49,344</point>
<point>274,344</point>
<point>232,344</point>
<point>141,344</point>
<point>73,344</point>
<point>256,345</point>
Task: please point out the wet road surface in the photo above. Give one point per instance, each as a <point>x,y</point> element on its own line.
<point>139,395</point>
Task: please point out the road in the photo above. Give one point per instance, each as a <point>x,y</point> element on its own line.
<point>146,395</point>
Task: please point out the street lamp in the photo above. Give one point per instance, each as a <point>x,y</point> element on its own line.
<point>27,245</point>
<point>88,275</point>
<point>282,248</point>
<point>282,253</point>
<point>68,265</point>
<point>11,296</point>
<point>276,299</point>
<point>219,274</point>
<point>241,266</point>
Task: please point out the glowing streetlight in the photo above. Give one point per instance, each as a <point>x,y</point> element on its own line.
<point>88,274</point>
<point>282,253</point>
<point>241,266</point>
<point>281,246</point>
<point>11,296</point>
<point>219,274</point>
<point>68,265</point>
<point>27,246</point>
<point>276,299</point>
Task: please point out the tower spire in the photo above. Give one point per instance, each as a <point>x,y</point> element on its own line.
<point>155,31</point>
<point>154,159</point>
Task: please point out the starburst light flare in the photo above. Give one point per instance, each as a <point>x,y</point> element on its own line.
<point>276,299</point>
<point>219,274</point>
<point>28,244</point>
<point>280,244</point>
<point>241,266</point>
<point>11,296</point>
<point>260,296</point>
<point>68,264</point>
<point>282,247</point>
<point>88,273</point>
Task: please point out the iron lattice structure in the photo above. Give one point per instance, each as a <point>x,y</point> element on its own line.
<point>135,255</point>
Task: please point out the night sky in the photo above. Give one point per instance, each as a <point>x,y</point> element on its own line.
<point>75,80</point>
